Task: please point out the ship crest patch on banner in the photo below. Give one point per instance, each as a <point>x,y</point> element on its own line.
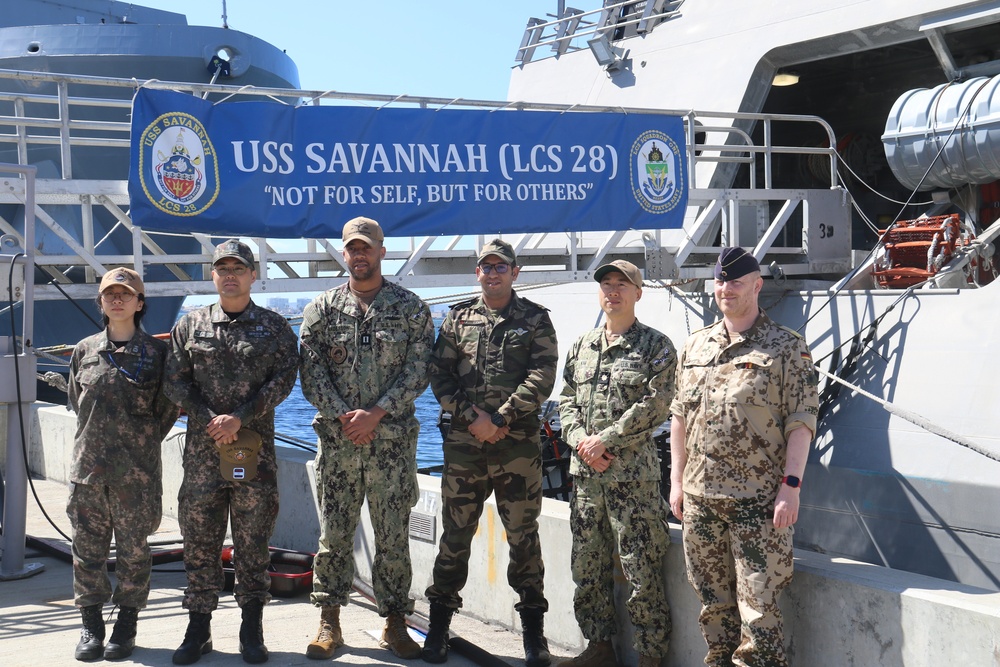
<point>657,180</point>
<point>178,167</point>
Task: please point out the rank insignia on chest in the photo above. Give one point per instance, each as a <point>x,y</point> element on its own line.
<point>338,354</point>
<point>366,339</point>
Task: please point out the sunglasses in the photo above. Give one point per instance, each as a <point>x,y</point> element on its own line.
<point>490,268</point>
<point>234,270</point>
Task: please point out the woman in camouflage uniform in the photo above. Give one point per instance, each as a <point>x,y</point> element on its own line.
<point>115,388</point>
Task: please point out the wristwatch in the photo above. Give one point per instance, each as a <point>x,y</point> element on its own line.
<point>498,420</point>
<point>792,481</point>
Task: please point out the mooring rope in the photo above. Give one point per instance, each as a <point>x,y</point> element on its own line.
<point>915,419</point>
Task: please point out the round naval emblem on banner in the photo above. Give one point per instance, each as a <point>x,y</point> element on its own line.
<point>178,166</point>
<point>656,173</point>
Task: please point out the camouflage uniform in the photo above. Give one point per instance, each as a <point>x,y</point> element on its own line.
<point>122,417</point>
<point>352,359</point>
<point>622,392</point>
<point>244,367</point>
<point>739,399</point>
<point>499,362</point>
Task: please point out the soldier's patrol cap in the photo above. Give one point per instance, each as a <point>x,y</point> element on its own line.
<point>126,278</point>
<point>365,229</point>
<point>628,269</point>
<point>734,263</point>
<point>234,248</point>
<point>238,459</point>
<point>501,249</point>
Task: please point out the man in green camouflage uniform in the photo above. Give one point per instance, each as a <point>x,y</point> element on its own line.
<point>231,364</point>
<point>116,487</point>
<point>364,354</point>
<point>617,386</point>
<point>743,416</point>
<point>494,364</point>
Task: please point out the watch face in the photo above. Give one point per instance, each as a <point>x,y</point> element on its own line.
<point>792,481</point>
<point>498,419</point>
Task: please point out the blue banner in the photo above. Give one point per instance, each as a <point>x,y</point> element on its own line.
<point>268,169</point>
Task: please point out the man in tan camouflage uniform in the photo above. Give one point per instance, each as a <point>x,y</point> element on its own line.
<point>364,354</point>
<point>494,365</point>
<point>743,416</point>
<point>232,363</point>
<point>617,385</point>
<point>116,390</point>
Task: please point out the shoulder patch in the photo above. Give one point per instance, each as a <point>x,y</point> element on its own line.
<point>663,356</point>
<point>708,326</point>
<point>792,331</point>
<point>528,303</point>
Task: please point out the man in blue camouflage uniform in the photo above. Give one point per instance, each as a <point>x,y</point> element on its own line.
<point>494,364</point>
<point>364,354</point>
<point>116,390</point>
<point>617,385</point>
<point>231,364</point>
<point>743,416</point>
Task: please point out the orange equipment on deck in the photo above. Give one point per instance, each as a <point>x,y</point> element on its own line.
<point>915,250</point>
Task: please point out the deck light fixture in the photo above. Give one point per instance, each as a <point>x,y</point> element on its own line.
<point>605,54</point>
<point>785,79</point>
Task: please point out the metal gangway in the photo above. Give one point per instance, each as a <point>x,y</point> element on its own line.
<point>60,122</point>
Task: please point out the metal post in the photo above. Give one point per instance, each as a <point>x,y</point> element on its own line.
<point>15,499</point>
<point>19,396</point>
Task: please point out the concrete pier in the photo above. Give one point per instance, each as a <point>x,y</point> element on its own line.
<point>837,612</point>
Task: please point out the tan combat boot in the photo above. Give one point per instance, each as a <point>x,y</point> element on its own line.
<point>597,654</point>
<point>397,639</point>
<point>329,637</point>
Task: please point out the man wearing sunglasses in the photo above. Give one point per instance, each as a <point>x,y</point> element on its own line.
<point>493,365</point>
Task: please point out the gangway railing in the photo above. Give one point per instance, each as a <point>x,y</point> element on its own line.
<point>58,121</point>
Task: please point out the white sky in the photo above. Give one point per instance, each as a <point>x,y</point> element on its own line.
<point>436,48</point>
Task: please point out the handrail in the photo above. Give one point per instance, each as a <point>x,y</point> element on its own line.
<point>45,117</point>
<point>737,140</point>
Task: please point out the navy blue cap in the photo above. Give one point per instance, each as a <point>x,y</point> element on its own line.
<point>734,263</point>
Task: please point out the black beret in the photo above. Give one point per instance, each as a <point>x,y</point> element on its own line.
<point>734,263</point>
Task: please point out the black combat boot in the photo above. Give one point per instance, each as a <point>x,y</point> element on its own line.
<point>197,640</point>
<point>123,636</point>
<point>436,644</point>
<point>252,633</point>
<point>91,646</point>
<point>536,647</point>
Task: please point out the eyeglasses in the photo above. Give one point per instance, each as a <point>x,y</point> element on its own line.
<point>499,268</point>
<point>231,270</point>
<point>111,297</point>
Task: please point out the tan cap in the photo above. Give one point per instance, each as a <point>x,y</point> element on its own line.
<point>238,459</point>
<point>628,269</point>
<point>365,229</point>
<point>234,248</point>
<point>501,249</point>
<point>127,278</point>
